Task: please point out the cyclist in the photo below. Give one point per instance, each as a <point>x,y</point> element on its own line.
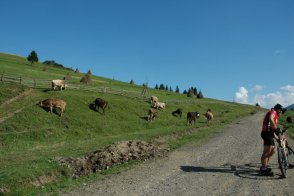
<point>270,123</point>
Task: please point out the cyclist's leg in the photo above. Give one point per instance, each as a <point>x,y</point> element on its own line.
<point>268,151</point>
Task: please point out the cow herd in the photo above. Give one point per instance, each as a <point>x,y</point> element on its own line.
<point>191,116</point>
<point>50,104</point>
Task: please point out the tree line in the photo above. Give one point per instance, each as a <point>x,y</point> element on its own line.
<point>191,92</point>
<point>33,58</point>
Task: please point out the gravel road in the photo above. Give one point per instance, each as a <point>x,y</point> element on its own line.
<point>227,164</point>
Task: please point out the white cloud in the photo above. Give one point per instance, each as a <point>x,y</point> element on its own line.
<point>241,96</point>
<point>257,88</point>
<point>288,88</point>
<point>284,98</point>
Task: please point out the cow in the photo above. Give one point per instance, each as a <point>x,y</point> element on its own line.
<point>152,113</point>
<point>209,115</point>
<point>159,105</point>
<point>53,103</point>
<point>100,103</point>
<point>58,84</point>
<point>192,116</point>
<point>178,112</point>
<point>153,99</point>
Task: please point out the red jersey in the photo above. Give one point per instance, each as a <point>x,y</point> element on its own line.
<point>266,126</point>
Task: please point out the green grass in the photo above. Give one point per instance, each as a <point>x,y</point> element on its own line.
<point>32,138</point>
<point>288,126</point>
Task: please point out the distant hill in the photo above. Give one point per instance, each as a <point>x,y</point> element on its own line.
<point>290,107</point>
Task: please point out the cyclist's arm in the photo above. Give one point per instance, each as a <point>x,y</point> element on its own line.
<point>274,126</point>
<point>272,122</point>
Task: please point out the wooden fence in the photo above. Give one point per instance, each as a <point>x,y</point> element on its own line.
<point>46,84</point>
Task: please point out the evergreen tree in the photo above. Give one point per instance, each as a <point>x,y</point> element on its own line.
<point>200,95</point>
<point>177,89</point>
<point>161,87</point>
<point>33,57</point>
<point>170,89</point>
<point>89,72</point>
<point>195,91</point>
<point>166,88</point>
<point>185,92</point>
<point>156,86</point>
<point>132,82</point>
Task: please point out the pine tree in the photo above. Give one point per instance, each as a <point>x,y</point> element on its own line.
<point>161,87</point>
<point>200,95</point>
<point>195,91</point>
<point>156,86</point>
<point>185,92</point>
<point>177,89</point>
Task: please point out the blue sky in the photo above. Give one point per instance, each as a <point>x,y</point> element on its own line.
<point>233,50</point>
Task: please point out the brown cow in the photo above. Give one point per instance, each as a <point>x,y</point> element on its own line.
<point>192,116</point>
<point>178,112</point>
<point>100,103</point>
<point>209,115</point>
<point>152,113</point>
<point>53,103</point>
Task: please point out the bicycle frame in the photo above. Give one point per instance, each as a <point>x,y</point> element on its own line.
<point>282,150</point>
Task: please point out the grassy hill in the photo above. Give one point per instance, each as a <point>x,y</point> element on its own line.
<point>31,138</point>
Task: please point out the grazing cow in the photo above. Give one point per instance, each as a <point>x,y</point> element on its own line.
<point>209,115</point>
<point>153,99</point>
<point>53,103</point>
<point>58,84</point>
<point>178,112</point>
<point>152,113</point>
<point>100,103</point>
<point>192,116</point>
<point>159,105</point>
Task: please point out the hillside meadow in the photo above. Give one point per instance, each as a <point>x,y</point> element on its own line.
<point>31,138</point>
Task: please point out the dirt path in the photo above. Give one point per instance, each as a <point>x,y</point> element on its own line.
<point>227,164</point>
<point>10,101</point>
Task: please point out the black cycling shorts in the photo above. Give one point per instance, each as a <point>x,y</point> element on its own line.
<point>268,138</point>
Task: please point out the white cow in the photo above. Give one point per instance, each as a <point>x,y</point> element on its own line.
<point>159,105</point>
<point>153,99</point>
<point>58,84</point>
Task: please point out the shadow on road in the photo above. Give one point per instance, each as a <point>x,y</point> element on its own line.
<point>249,171</point>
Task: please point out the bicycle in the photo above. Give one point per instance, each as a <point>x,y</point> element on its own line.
<point>284,150</point>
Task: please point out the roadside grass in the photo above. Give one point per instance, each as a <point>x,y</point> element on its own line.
<point>286,125</point>
<point>31,139</point>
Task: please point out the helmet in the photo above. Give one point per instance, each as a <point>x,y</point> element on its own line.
<point>278,107</point>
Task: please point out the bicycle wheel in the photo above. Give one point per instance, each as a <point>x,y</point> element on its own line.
<point>283,163</point>
<point>290,156</point>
